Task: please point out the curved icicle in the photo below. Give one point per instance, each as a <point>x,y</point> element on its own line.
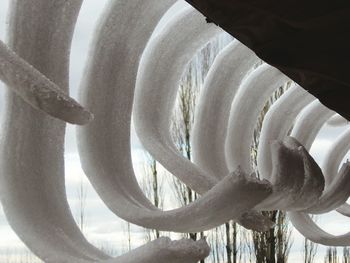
<point>126,61</point>
<point>37,90</point>
<point>245,109</point>
<point>32,179</point>
<point>255,89</point>
<point>335,155</point>
<point>335,194</point>
<point>108,90</point>
<point>304,188</point>
<point>227,200</point>
<point>306,226</point>
<point>305,130</point>
<point>277,122</point>
<point>212,111</point>
<point>337,120</point>
<point>339,180</point>
<point>164,250</point>
<point>293,175</point>
<point>158,251</point>
<point>158,79</point>
<point>344,210</point>
<point>309,123</point>
<point>110,168</point>
<point>297,180</point>
<point>32,185</point>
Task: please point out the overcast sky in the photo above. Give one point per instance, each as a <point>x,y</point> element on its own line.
<point>102,225</point>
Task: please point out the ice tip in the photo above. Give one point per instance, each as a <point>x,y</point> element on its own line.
<point>85,118</point>
<point>78,116</point>
<point>203,247</point>
<point>73,115</point>
<point>64,108</point>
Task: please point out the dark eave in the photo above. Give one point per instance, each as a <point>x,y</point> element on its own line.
<point>308,40</point>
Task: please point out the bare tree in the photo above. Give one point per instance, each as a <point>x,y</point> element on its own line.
<point>216,240</point>
<point>183,122</point>
<point>129,236</point>
<point>182,125</point>
<point>81,196</point>
<point>108,248</point>
<point>331,255</point>
<point>309,250</point>
<point>346,255</point>
<point>272,246</point>
<point>21,255</point>
<point>229,251</point>
<point>231,244</point>
<point>283,232</point>
<point>153,187</point>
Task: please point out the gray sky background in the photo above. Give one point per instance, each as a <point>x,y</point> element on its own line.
<point>102,225</point>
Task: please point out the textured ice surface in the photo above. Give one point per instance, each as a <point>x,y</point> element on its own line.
<point>253,93</point>
<point>278,121</point>
<point>37,90</point>
<point>214,104</point>
<point>337,120</point>
<point>158,79</point>
<point>32,179</point>
<point>125,61</point>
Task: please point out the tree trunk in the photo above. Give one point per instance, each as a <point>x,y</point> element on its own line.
<point>155,189</point>
<point>228,242</point>
<point>234,242</point>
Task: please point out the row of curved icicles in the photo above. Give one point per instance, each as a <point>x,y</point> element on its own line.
<point>32,179</point>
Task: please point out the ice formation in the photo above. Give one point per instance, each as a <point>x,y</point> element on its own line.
<point>37,90</point>
<point>131,72</point>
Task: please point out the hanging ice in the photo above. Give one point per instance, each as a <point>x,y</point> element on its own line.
<point>130,72</point>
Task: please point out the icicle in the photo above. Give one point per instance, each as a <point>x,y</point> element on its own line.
<point>111,173</point>
<point>35,204</point>
<point>335,194</point>
<point>297,181</point>
<point>335,155</point>
<point>164,250</point>
<point>108,90</point>
<point>305,130</point>
<point>304,224</point>
<point>337,120</point>
<point>160,71</point>
<point>212,111</point>
<point>309,123</point>
<point>245,109</point>
<point>338,182</point>
<point>277,122</point>
<point>37,90</point>
<point>32,178</point>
